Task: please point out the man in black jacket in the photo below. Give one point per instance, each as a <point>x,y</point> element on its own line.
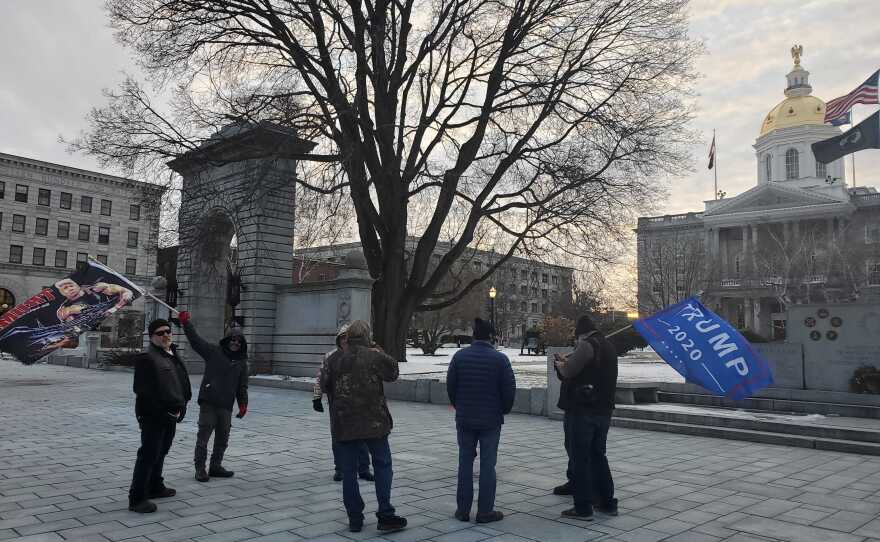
<point>224,382</point>
<point>589,381</point>
<point>162,386</point>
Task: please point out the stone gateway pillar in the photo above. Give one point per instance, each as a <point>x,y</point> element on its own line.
<point>238,188</point>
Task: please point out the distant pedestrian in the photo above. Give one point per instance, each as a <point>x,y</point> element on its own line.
<point>481,387</point>
<point>589,380</point>
<point>364,454</point>
<point>359,414</point>
<point>225,381</point>
<point>162,387</point>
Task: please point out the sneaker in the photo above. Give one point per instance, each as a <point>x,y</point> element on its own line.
<point>489,517</point>
<point>220,472</point>
<point>368,476</point>
<point>609,508</point>
<point>564,489</point>
<point>391,523</point>
<point>202,474</point>
<point>462,516</point>
<point>143,507</point>
<point>162,493</point>
<point>355,526</point>
<point>337,476</point>
<point>572,513</point>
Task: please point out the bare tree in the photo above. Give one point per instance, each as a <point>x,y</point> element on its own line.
<point>540,124</point>
<point>674,267</point>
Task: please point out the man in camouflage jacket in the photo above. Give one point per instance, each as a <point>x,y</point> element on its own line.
<point>359,415</point>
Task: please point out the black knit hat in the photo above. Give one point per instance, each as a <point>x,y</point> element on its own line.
<point>584,326</point>
<point>156,324</point>
<point>483,330</point>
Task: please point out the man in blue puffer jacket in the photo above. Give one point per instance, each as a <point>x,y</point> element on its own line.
<point>481,387</point>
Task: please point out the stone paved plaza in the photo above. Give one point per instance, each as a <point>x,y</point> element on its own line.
<point>69,440</point>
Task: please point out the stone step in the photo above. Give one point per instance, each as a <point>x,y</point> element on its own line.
<point>775,405</point>
<point>823,428</point>
<point>836,445</point>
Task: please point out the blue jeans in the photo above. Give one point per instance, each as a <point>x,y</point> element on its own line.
<point>363,459</point>
<point>467,451</point>
<point>587,436</point>
<point>349,451</point>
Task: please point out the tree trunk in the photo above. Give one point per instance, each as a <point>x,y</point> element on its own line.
<point>391,319</point>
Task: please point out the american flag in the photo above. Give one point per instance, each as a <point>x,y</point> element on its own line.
<point>712,153</point>
<point>866,93</point>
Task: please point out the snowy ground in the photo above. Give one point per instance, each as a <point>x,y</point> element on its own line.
<point>531,371</point>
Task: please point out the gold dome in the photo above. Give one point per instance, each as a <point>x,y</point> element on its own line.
<point>794,111</point>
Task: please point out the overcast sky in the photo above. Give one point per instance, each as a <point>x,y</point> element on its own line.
<point>59,54</point>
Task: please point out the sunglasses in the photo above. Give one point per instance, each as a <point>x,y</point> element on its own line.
<point>162,332</point>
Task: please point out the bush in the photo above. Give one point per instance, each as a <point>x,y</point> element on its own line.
<point>753,337</point>
<point>866,379</point>
<point>558,331</point>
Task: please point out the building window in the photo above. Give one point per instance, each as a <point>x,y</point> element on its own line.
<point>791,164</point>
<point>7,300</point>
<point>544,294</point>
<point>534,276</point>
<point>554,280</point>
<point>43,197</point>
<point>18,223</point>
<point>874,273</point>
<point>15,252</point>
<point>21,193</point>
<point>42,226</point>
<point>534,307</point>
<point>39,256</point>
<point>66,200</point>
<point>82,257</point>
<point>102,258</point>
<point>522,306</point>
<point>821,169</point>
<point>130,266</point>
<point>106,207</point>
<point>545,278</point>
<point>2,192</point>
<point>85,232</point>
<point>134,213</point>
<point>133,239</point>
<point>478,266</point>
<point>85,204</point>
<point>768,167</point>
<point>523,274</point>
<point>736,265</point>
<point>534,292</point>
<point>524,290</point>
<point>60,258</point>
<point>872,232</point>
<point>63,229</point>
<point>103,235</point>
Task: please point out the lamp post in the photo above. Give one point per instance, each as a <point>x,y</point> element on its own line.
<point>492,293</point>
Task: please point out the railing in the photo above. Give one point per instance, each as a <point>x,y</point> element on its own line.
<point>815,279</point>
<point>866,197</point>
<point>730,283</point>
<point>683,217</point>
<point>771,282</point>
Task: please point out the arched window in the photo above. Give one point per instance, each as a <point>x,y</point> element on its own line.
<point>768,167</point>
<point>791,164</point>
<point>821,170</point>
<point>7,300</point>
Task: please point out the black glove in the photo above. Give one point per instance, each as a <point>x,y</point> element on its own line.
<point>182,415</point>
<point>316,404</point>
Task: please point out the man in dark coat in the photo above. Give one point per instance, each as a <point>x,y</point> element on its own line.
<point>162,387</point>
<point>359,414</point>
<point>589,381</point>
<point>225,381</point>
<point>364,455</point>
<point>481,387</point>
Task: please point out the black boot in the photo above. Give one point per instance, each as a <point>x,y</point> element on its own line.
<point>391,523</point>
<point>217,471</point>
<point>201,474</point>
<point>564,489</point>
<point>143,507</point>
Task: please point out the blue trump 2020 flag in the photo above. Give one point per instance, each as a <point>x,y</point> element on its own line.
<point>705,349</point>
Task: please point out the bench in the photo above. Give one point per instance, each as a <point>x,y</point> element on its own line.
<point>630,393</point>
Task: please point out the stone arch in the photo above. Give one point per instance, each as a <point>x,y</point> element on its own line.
<point>239,184</point>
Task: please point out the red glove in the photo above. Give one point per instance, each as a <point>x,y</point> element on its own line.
<point>242,410</point>
<point>183,317</point>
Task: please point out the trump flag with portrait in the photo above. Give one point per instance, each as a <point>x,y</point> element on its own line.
<point>705,350</point>
<point>55,317</point>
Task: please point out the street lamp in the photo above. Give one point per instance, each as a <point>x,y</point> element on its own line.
<point>492,293</point>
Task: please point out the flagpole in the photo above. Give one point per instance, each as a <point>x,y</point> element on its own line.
<point>715,162</point>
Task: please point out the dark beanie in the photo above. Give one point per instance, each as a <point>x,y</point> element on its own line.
<point>156,324</point>
<point>584,326</point>
<point>482,330</point>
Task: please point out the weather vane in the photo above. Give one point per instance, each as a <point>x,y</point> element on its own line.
<point>797,51</point>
